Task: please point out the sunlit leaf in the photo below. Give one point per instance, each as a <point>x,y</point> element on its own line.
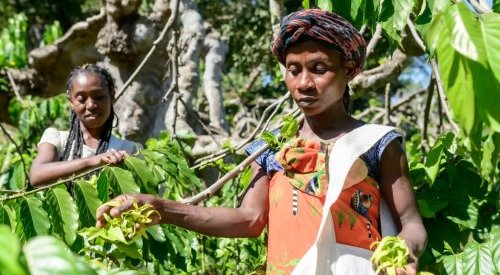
<point>465,32</point>
<point>143,173</point>
<point>34,220</point>
<point>325,5</point>
<point>87,201</point>
<point>121,181</point>
<point>64,213</point>
<point>477,259</point>
<point>47,255</point>
<point>9,258</point>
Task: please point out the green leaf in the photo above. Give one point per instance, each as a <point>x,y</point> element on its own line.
<point>477,259</point>
<point>325,5</point>
<point>305,4</point>
<point>47,255</point>
<point>465,29</point>
<point>9,258</point>
<point>491,33</point>
<point>103,186</point>
<point>289,127</point>
<point>143,173</point>
<point>121,181</point>
<point>87,201</point>
<point>8,216</point>
<point>17,178</point>
<point>34,220</point>
<point>433,161</point>
<point>64,213</point>
<point>270,139</point>
<point>456,75</point>
<point>453,264</point>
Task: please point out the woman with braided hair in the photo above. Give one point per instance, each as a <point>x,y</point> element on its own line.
<point>331,191</point>
<point>89,143</point>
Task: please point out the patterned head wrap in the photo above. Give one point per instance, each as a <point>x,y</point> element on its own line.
<point>324,26</point>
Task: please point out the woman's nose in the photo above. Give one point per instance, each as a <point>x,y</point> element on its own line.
<point>91,104</point>
<point>305,81</point>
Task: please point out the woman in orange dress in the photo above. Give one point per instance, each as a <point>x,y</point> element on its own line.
<point>321,52</point>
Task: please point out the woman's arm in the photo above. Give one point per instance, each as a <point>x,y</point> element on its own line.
<point>248,220</point>
<point>397,191</point>
<point>46,168</point>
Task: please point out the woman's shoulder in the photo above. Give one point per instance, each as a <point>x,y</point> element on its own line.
<point>54,136</point>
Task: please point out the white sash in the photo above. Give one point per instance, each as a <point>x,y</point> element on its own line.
<point>325,256</point>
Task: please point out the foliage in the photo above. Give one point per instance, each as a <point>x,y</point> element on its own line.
<point>391,253</point>
<point>456,180</point>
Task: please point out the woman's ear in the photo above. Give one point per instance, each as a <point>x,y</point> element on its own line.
<point>349,67</point>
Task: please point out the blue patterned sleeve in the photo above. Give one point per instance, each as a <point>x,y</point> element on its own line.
<point>266,160</point>
<point>372,157</point>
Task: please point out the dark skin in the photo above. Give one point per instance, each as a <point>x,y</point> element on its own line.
<point>315,77</point>
<point>91,101</point>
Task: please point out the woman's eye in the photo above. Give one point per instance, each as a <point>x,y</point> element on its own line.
<point>319,69</point>
<point>293,70</point>
<point>80,99</point>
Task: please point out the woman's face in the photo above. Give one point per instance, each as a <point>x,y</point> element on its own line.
<point>315,77</point>
<point>90,99</point>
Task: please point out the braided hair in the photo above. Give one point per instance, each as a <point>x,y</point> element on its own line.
<point>74,143</point>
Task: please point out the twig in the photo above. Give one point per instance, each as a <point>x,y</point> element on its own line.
<point>14,86</point>
<point>374,40</point>
<point>72,178</point>
<point>207,193</point>
<point>442,95</point>
<point>205,127</point>
<point>362,29</point>
<point>428,109</point>
<point>19,152</point>
<point>280,102</point>
<point>170,22</point>
<point>216,156</point>
<point>415,35</point>
<point>387,103</point>
<point>398,104</point>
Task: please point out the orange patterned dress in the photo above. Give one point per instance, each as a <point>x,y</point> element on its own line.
<point>296,198</point>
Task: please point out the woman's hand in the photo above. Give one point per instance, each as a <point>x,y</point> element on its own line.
<point>124,203</point>
<point>111,157</point>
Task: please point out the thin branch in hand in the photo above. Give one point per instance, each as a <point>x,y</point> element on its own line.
<point>19,152</point>
<point>207,193</point>
<point>171,20</point>
<point>442,96</point>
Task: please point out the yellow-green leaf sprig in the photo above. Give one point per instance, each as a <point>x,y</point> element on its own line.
<point>391,253</point>
<point>123,229</point>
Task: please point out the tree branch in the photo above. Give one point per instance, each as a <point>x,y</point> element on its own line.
<point>377,35</point>
<point>442,96</point>
<point>207,193</point>
<point>168,25</point>
<point>14,86</point>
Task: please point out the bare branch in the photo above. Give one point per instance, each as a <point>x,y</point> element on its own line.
<point>428,108</point>
<point>168,25</point>
<point>415,35</point>
<point>442,95</point>
<point>377,35</point>
<point>207,193</point>
<point>379,76</point>
<point>387,100</point>
<point>214,157</point>
<point>14,86</point>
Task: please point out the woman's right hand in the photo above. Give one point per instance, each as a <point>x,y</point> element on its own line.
<point>124,203</point>
<point>112,157</point>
